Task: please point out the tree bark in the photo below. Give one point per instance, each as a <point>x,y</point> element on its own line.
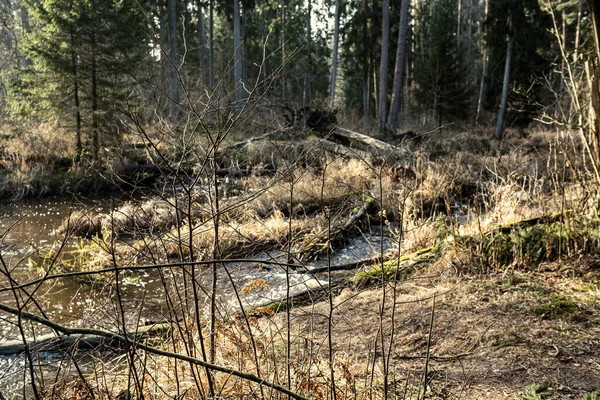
<point>594,82</point>
<point>211,28</point>
<point>78,143</point>
<point>94,95</point>
<point>237,44</point>
<point>200,17</point>
<point>399,69</point>
<point>174,55</point>
<point>385,42</point>
<point>483,73</point>
<point>366,68</point>
<point>334,59</point>
<point>505,86</point>
<point>26,28</point>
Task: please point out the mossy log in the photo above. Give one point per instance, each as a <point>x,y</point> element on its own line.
<point>398,269</point>
<point>306,297</point>
<point>52,343</point>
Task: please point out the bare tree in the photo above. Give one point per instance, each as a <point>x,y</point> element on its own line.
<point>593,67</point>
<point>506,83</point>
<point>174,56</point>
<point>483,72</point>
<point>398,71</point>
<point>385,42</point>
<point>237,45</point>
<point>334,60</point>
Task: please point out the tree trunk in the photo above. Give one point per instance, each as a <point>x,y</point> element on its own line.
<point>577,35</point>
<point>94,94</point>
<point>383,75</point>
<point>78,143</point>
<point>200,17</point>
<point>398,71</point>
<point>505,86</point>
<point>307,95</point>
<point>458,25</point>
<point>366,68</point>
<point>26,28</point>
<point>282,73</point>
<point>237,44</point>
<point>483,72</point>
<point>211,28</point>
<point>174,55</point>
<point>163,44</point>
<point>563,39</point>
<point>334,59</point>
<point>594,82</point>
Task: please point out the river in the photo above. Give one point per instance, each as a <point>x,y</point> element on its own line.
<point>28,232</point>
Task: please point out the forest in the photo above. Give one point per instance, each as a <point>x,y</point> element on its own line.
<point>276,199</point>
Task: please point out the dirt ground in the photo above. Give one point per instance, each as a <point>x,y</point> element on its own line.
<point>518,334</point>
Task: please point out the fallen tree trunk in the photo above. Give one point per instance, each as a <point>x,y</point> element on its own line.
<point>341,150</point>
<point>386,148</point>
<point>51,343</point>
<point>322,241</point>
<point>245,142</point>
<point>223,172</point>
<point>137,345</point>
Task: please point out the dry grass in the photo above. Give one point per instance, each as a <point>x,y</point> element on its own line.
<point>499,326</point>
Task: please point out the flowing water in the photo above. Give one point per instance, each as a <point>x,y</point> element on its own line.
<point>27,232</point>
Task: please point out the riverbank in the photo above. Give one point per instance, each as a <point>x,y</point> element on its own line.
<point>500,234</point>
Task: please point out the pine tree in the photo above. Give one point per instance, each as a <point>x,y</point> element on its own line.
<point>440,68</point>
<point>85,55</point>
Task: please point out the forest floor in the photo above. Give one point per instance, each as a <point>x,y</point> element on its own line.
<point>513,334</point>
<point>507,308</point>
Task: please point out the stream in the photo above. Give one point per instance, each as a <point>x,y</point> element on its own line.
<point>27,231</point>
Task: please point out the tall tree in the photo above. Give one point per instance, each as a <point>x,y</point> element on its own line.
<point>442,92</point>
<point>398,70</point>
<point>83,55</point>
<point>483,72</point>
<point>211,39</point>
<point>174,59</point>
<point>383,75</point>
<point>237,45</point>
<point>498,133</point>
<point>594,78</point>
<point>334,57</point>
<point>200,32</point>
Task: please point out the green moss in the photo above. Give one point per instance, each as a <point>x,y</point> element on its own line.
<point>559,307</point>
<point>530,245</point>
<point>537,391</point>
<point>595,395</point>
<point>399,269</point>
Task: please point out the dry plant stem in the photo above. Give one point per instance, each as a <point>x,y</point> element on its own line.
<point>129,351</point>
<point>138,345</point>
<point>331,308</point>
<point>287,286</point>
<point>426,367</point>
<point>19,314</point>
<point>573,93</point>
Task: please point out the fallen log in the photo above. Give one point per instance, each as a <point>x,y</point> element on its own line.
<point>245,142</point>
<point>322,241</point>
<point>51,343</point>
<point>222,172</point>
<point>386,148</point>
<point>138,345</point>
<point>341,150</point>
